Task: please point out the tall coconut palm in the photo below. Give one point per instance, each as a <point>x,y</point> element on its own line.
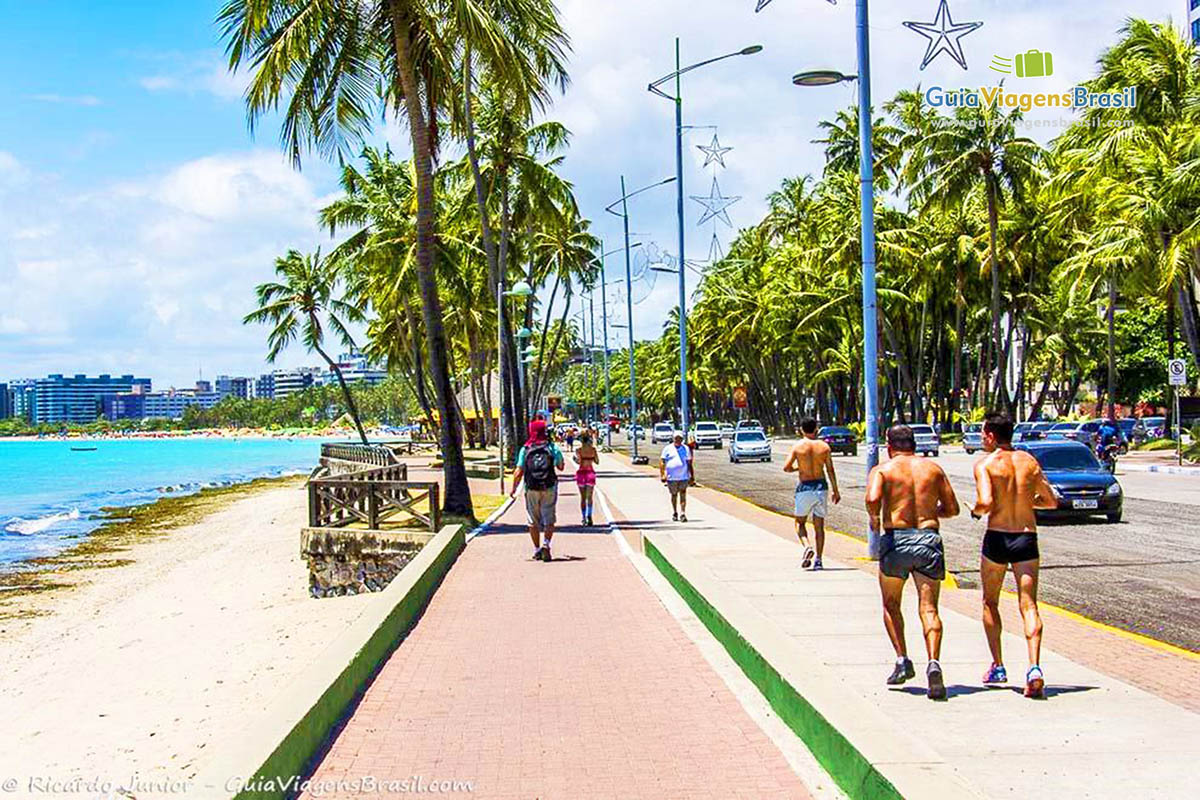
<point>334,65</point>
<point>978,150</point>
<point>302,305</point>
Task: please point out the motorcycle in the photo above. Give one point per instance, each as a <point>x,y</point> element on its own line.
<point>1108,456</point>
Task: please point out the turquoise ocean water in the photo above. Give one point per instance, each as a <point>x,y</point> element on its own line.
<point>49,492</point>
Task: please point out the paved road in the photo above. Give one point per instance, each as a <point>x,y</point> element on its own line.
<point>1142,575</point>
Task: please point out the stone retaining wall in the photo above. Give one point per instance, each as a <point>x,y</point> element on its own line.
<point>352,561</point>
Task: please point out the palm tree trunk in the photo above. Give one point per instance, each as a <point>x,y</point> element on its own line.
<point>998,350</point>
<point>542,360</point>
<point>457,498</point>
<point>350,405</point>
<point>956,379</point>
<point>1112,346</point>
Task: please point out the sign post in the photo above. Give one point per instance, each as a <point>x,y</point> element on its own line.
<point>1177,374</point>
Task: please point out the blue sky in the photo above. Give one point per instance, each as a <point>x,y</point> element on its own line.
<point>137,212</point>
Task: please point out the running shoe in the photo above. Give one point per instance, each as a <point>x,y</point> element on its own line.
<point>546,554</point>
<point>683,517</point>
<point>1035,683</point>
<point>903,671</point>
<point>675,517</point>
<point>937,684</point>
<point>817,565</point>
<point>809,555</point>
<point>995,674</point>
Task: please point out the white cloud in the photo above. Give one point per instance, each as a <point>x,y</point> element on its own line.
<point>70,100</point>
<point>206,72</point>
<point>157,83</point>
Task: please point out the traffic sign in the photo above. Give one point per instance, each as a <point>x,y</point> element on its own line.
<point>739,397</point>
<point>1177,371</point>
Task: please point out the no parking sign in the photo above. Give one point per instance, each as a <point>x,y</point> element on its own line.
<point>1177,372</point>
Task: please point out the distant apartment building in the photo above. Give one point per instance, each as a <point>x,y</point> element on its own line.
<point>1193,18</point>
<point>78,399</point>
<point>264,386</point>
<point>5,402</point>
<point>203,386</point>
<point>170,404</point>
<point>20,398</point>
<point>289,381</point>
<point>227,386</point>
<point>356,369</point>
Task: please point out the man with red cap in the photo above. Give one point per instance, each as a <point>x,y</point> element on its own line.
<point>538,463</point>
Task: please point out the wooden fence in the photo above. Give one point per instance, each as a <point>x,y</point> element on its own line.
<point>370,495</point>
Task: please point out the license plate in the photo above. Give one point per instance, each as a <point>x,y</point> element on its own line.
<point>1085,504</point>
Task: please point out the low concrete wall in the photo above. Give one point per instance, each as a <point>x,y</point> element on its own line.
<point>861,750</point>
<point>269,758</point>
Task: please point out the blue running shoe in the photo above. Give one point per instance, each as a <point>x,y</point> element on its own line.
<point>1035,683</point>
<point>996,674</point>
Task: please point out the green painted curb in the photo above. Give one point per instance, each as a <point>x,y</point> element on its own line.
<point>276,778</point>
<point>856,776</point>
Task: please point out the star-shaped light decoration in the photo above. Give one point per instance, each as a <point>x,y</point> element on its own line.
<point>714,152</point>
<point>715,253</point>
<point>943,35</point>
<point>715,205</point>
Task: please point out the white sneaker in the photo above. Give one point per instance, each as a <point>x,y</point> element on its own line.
<point>807,561</point>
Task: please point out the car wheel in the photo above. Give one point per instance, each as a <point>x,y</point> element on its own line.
<point>970,452</point>
<point>767,459</point>
<point>732,460</point>
<point>854,452</point>
<point>1113,517</point>
<point>936,453</point>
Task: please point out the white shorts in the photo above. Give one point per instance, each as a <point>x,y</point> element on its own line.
<point>812,499</point>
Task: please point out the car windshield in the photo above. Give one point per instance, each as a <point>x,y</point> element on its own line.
<point>662,426</point>
<point>924,429</point>
<point>835,432</point>
<point>706,426</point>
<point>1023,426</point>
<point>1127,424</point>
<point>1069,459</point>
<point>1153,420</point>
<point>751,436</point>
<point>973,428</point>
<point>1065,426</point>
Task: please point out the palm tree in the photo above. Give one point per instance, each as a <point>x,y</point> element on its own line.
<point>302,305</point>
<point>338,64</point>
<point>977,150</point>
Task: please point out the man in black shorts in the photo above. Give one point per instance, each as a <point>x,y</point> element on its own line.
<point>909,496</point>
<point>1010,487</point>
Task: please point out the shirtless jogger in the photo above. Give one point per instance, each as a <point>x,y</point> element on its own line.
<point>1010,486</point>
<point>913,494</point>
<point>811,459</point>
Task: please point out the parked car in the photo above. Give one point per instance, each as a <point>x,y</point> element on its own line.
<point>726,430</point>
<point>839,439</point>
<point>1026,432</point>
<point>749,445</point>
<point>1133,430</point>
<point>1155,427</point>
<point>635,431</point>
<point>707,434</point>
<point>1062,430</point>
<point>1082,486</point>
<point>928,441</point>
<point>749,425</point>
<point>663,432</point>
<point>973,437</point>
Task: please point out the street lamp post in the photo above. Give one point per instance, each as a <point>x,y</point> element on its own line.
<point>866,168</point>
<point>521,289</point>
<point>678,100</point>
<point>624,215</point>
<point>607,381</point>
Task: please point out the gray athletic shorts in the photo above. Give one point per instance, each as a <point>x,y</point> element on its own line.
<point>903,551</point>
<point>540,506</point>
<point>677,487</point>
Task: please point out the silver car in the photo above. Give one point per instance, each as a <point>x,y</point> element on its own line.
<point>663,432</point>
<point>928,442</point>
<point>749,445</point>
<point>973,437</point>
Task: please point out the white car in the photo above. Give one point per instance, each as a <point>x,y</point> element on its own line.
<point>726,430</point>
<point>707,434</point>
<point>928,442</point>
<point>749,444</point>
<point>635,431</point>
<point>663,432</point>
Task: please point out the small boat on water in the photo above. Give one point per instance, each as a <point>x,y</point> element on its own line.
<point>83,449</point>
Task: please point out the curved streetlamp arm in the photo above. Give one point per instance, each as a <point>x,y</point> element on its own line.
<point>622,199</point>
<point>653,87</point>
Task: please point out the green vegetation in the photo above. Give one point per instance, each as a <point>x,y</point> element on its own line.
<point>987,244</point>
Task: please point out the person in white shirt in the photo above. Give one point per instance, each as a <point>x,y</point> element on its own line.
<point>675,470</point>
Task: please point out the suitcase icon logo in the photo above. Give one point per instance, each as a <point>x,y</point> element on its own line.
<point>1034,64</point>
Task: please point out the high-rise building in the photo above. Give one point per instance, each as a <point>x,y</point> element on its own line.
<point>264,386</point>
<point>1193,18</point>
<point>356,369</point>
<point>78,399</point>
<point>5,402</point>
<point>203,386</point>
<point>290,381</point>
<point>227,386</point>
<point>170,404</point>
<point>21,398</point>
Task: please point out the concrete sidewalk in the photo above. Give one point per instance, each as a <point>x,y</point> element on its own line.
<point>560,680</point>
<point>816,642</point>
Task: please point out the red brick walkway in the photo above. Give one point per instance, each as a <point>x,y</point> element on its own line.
<point>561,680</point>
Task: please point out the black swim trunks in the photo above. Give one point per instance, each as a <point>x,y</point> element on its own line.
<point>1002,547</point>
<point>903,551</point>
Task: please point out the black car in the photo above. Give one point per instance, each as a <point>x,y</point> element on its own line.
<point>1082,486</point>
<point>840,440</point>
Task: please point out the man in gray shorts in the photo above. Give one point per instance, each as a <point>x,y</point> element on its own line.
<point>909,495</point>
<point>538,463</point>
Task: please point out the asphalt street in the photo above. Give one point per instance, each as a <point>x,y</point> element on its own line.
<point>1142,574</point>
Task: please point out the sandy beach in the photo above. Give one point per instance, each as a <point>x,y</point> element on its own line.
<point>130,675</point>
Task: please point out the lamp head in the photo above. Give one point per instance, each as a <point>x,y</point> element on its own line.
<point>751,50</point>
<point>520,289</point>
<point>821,77</point>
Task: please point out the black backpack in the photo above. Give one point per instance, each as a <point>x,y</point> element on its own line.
<point>539,468</point>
